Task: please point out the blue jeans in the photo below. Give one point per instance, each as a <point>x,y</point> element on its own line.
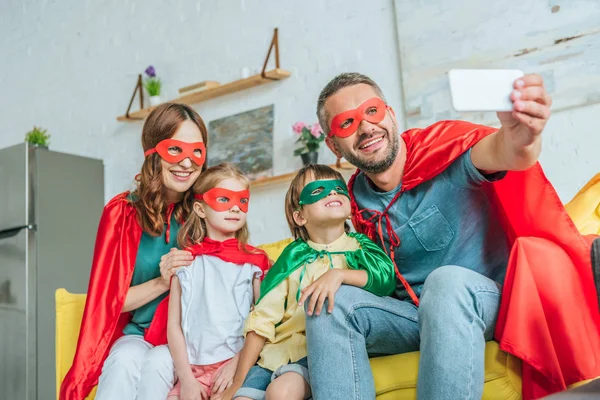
<point>259,378</point>
<point>456,316</point>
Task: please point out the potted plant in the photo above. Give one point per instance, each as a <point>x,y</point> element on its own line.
<point>308,142</point>
<point>153,86</point>
<point>38,137</point>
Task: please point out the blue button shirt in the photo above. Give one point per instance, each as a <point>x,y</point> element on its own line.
<point>447,220</point>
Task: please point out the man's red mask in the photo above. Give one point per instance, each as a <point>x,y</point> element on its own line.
<point>220,199</point>
<point>174,151</point>
<point>346,123</point>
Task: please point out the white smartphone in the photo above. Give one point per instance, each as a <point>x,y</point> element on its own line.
<point>482,89</point>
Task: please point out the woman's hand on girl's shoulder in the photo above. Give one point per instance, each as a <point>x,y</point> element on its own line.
<point>172,261</point>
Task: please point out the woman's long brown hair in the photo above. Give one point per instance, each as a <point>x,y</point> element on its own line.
<point>149,198</point>
<point>194,229</point>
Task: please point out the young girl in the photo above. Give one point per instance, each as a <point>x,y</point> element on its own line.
<point>323,257</point>
<point>211,298</point>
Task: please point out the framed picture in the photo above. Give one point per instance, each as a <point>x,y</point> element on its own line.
<point>244,140</point>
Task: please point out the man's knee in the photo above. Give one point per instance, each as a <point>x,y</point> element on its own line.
<point>453,295</point>
<point>446,281</point>
<point>444,287</point>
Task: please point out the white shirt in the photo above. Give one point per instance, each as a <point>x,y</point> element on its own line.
<point>216,297</point>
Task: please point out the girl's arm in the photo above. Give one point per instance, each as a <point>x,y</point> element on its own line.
<point>250,353</point>
<point>256,289</point>
<point>177,344</point>
<point>260,326</point>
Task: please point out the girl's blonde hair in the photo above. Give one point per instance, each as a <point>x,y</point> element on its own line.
<point>194,229</point>
<point>292,197</point>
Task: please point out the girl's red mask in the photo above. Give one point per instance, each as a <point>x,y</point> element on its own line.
<point>346,123</point>
<point>174,151</point>
<point>220,199</point>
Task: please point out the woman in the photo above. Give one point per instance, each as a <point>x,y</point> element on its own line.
<point>134,259</point>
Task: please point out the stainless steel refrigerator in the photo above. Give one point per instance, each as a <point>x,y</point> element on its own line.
<point>50,205</point>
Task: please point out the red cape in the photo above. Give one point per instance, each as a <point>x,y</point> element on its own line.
<point>229,251</point>
<point>548,314</point>
<point>115,252</point>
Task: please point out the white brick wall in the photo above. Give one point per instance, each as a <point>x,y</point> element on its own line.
<point>533,35</point>
<point>70,66</point>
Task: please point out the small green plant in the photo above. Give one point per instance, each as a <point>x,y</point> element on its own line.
<point>38,136</point>
<point>152,83</point>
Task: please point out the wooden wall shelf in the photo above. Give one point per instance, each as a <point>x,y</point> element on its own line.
<point>276,74</point>
<point>273,180</point>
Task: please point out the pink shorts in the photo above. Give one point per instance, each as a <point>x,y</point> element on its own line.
<point>205,374</point>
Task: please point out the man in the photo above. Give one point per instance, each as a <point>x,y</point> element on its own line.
<point>425,196</point>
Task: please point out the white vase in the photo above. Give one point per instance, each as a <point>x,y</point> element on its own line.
<point>154,100</point>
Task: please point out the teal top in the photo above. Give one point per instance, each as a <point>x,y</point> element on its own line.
<point>151,249</point>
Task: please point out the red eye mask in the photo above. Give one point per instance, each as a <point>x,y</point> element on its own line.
<point>346,123</point>
<point>220,199</point>
<point>174,151</point>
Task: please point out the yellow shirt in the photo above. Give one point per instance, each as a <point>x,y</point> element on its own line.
<point>279,319</point>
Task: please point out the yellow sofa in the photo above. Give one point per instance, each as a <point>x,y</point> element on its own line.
<point>584,209</point>
<point>395,376</point>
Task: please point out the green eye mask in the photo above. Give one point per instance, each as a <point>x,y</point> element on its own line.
<point>318,190</point>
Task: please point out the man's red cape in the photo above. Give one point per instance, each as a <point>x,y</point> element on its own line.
<point>117,243</point>
<point>228,251</point>
<point>549,315</point>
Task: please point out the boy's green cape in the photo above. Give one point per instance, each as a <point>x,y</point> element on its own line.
<point>369,257</point>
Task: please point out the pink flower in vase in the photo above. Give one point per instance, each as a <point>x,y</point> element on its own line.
<point>316,130</point>
<point>298,126</point>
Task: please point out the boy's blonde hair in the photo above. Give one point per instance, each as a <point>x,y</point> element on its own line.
<point>292,197</point>
<point>194,229</point>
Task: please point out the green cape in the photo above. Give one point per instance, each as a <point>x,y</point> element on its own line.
<point>369,257</point>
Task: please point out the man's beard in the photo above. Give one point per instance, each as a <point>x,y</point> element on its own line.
<point>376,167</point>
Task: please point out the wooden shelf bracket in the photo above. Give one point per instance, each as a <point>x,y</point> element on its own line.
<point>274,44</point>
<point>139,87</point>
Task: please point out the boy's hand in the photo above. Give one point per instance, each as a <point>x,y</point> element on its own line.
<point>224,377</point>
<point>227,394</point>
<point>323,288</point>
<point>193,390</point>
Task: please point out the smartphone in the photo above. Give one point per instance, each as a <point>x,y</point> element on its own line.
<point>482,89</point>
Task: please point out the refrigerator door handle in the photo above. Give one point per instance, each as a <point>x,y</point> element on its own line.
<point>10,232</point>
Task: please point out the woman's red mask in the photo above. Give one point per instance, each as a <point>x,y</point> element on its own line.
<point>220,199</point>
<point>174,151</point>
<point>346,123</point>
